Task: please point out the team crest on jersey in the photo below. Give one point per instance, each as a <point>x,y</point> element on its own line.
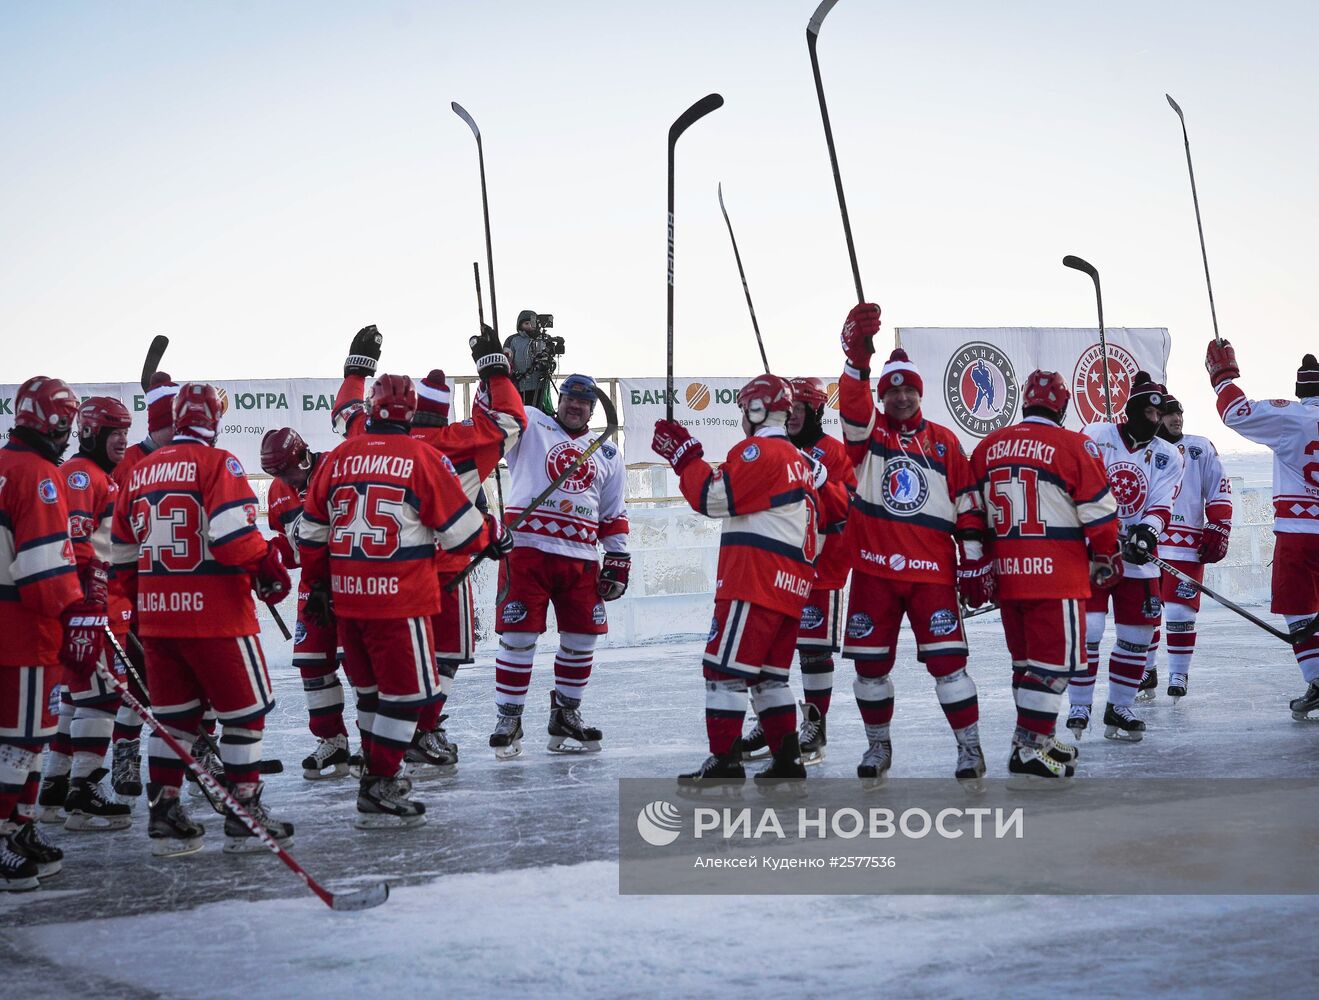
<point>750,453</point>
<point>811,618</point>
<point>1160,461</point>
<point>608,451</point>
<point>980,388</point>
<point>79,480</point>
<point>447,464</point>
<point>47,491</point>
<point>234,466</point>
<point>1088,381</point>
<point>560,457</point>
<point>859,625</point>
<point>1129,486</point>
<point>1196,452</point>
<point>1280,403</point>
<point>943,622</point>
<point>940,449</point>
<point>714,630</point>
<point>598,614</point>
<point>1092,449</point>
<point>905,489</point>
<point>1185,590</point>
<point>514,612</point>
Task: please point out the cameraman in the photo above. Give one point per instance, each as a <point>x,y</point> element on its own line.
<point>534,357</point>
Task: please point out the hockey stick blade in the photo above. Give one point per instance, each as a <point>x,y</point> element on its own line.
<point>362,899</point>
<point>817,19</point>
<point>708,103</point>
<point>461,112</point>
<point>1178,108</point>
<point>154,353</point>
<point>1076,263</point>
<point>1290,638</point>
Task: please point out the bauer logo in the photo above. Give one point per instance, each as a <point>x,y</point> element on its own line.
<point>905,489</point>
<point>698,395</point>
<point>1088,381</point>
<point>659,823</point>
<point>980,388</point>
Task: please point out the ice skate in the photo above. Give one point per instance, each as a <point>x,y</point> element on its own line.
<point>970,772</point>
<point>383,804</point>
<point>754,746</point>
<point>1122,725</point>
<point>90,808</point>
<point>1177,684</point>
<point>18,872</point>
<point>126,771</point>
<point>28,841</point>
<point>812,735</point>
<point>212,765</point>
<point>50,799</point>
<point>241,840</point>
<point>1309,702</point>
<point>1060,751</point>
<point>785,766</point>
<point>568,734</point>
<point>328,760</point>
<point>428,756</point>
<point>1149,684</point>
<point>721,774</point>
<point>1078,720</point>
<point>356,763</point>
<point>875,763</point>
<point>506,740</point>
<point>1029,768</point>
<point>172,831</point>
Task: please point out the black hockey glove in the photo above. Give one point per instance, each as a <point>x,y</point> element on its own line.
<point>613,575</point>
<point>1141,545</point>
<point>363,353</point>
<point>319,608</point>
<point>488,354</point>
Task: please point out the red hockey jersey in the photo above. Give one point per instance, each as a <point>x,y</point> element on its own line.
<point>835,560</point>
<point>914,490</point>
<point>1048,504</point>
<point>91,493</point>
<point>767,548</point>
<point>283,512</point>
<point>374,512</point>
<point>186,525</point>
<point>133,454</point>
<point>38,571</point>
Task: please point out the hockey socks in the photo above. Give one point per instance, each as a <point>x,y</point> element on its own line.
<point>874,691</point>
<point>817,680</point>
<point>1126,664</point>
<point>725,710</point>
<point>89,737</point>
<point>957,696</point>
<point>324,694</point>
<point>1081,690</point>
<point>513,662</point>
<point>572,664</point>
<point>1307,652</point>
<point>777,710</point>
<point>1039,697</point>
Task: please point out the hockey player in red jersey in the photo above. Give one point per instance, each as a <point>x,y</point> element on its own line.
<point>1197,536</point>
<point>75,763</point>
<point>373,515</point>
<point>765,490</point>
<point>1143,471</point>
<point>1052,533</point>
<point>1290,429</point>
<point>187,545</point>
<point>555,562</point>
<point>915,505</point>
<point>46,617</point>
<point>820,634</point>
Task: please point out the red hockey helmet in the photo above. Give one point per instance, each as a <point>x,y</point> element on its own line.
<point>100,412</point>
<point>810,391</point>
<point>197,411</point>
<point>393,398</point>
<point>45,405</point>
<point>282,449</point>
<point>763,395</point>
<point>1048,391</point>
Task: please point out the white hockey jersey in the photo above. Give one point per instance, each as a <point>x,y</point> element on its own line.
<point>1204,494</point>
<point>1142,482</point>
<point>1290,429</point>
<point>586,508</point>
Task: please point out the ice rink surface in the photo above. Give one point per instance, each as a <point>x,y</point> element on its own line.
<point>511,888</point>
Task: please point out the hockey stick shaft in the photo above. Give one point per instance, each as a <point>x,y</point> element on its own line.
<point>461,112</point>
<point>1084,266</point>
<point>279,621</point>
<point>480,318</point>
<point>222,794</point>
<point>743,275</point>
<point>1291,638</point>
<point>1199,227</point>
<point>154,354</point>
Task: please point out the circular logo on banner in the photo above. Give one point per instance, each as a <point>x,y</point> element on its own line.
<point>980,388</point>
<point>1127,481</point>
<point>698,396</point>
<point>905,489</point>
<point>1088,382</point>
<point>563,455</point>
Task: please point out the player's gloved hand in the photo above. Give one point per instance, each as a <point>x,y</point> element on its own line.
<point>1141,545</point>
<point>613,575</point>
<point>1221,363</point>
<point>976,582</point>
<point>85,622</point>
<point>858,336</point>
<point>319,607</point>
<point>363,353</point>
<point>1105,570</point>
<point>488,354</point>
<point>675,444</point>
<point>1213,542</point>
<point>501,539</point>
<point>95,579</point>
<point>270,579</point>
<point>819,474</point>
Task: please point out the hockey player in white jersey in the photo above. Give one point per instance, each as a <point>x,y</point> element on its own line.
<point>1196,537</point>
<point>1143,470</point>
<point>555,562</point>
<point>1290,429</point>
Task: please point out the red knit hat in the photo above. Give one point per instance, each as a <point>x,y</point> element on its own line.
<point>160,402</point>
<point>434,394</point>
<point>899,370</point>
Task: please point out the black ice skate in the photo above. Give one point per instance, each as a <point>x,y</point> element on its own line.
<point>721,774</point>
<point>50,799</point>
<point>90,808</point>
<point>172,831</point>
<point>18,872</point>
<point>875,763</point>
<point>1060,751</point>
<point>506,740</point>
<point>383,804</point>
<point>328,760</point>
<point>1121,725</point>
<point>429,756</point>
<point>567,732</point>
<point>1177,684</point>
<point>28,841</point>
<point>812,735</point>
<point>1149,684</point>
<point>970,771</point>
<point>786,765</point>
<point>126,771</point>
<point>1309,702</point>
<point>1078,720</point>
<point>754,746</point>
<point>241,840</point>
<point>1029,768</point>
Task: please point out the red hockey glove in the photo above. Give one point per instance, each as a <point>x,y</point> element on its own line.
<point>1221,363</point>
<point>501,539</point>
<point>95,579</point>
<point>976,582</point>
<point>270,578</point>
<point>675,443</point>
<point>85,623</point>
<point>613,575</point>
<point>1105,571</point>
<point>1213,543</point>
<point>319,607</point>
<point>363,353</point>
<point>858,336</point>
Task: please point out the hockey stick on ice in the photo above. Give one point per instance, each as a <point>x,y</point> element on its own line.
<point>461,112</point>
<point>154,353</point>
<point>1290,638</point>
<point>743,275</point>
<point>1204,255</point>
<point>361,899</point>
<point>611,429</point>
<point>1076,263</point>
<point>708,103</point>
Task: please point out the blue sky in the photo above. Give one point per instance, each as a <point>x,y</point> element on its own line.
<point>258,181</point>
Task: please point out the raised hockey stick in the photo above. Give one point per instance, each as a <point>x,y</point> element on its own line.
<point>361,899</point>
<point>743,275</point>
<point>1076,263</point>
<point>480,318</point>
<point>708,103</point>
<point>461,112</point>
<point>154,353</point>
<point>1290,638</point>
<point>812,37</point>
<point>611,429</point>
<point>1199,228</point>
